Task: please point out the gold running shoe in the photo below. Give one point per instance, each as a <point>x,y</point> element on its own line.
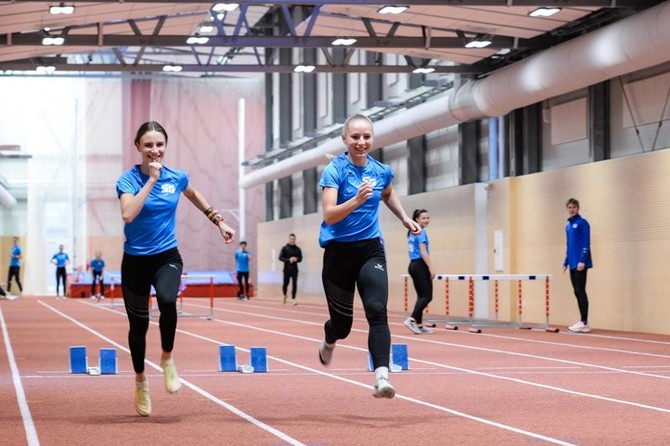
<point>172,382</point>
<point>142,399</point>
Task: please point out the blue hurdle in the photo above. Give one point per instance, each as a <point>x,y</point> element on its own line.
<point>228,360</point>
<point>399,358</point>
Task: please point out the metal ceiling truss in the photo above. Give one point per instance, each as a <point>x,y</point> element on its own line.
<point>242,35</point>
<point>558,3</point>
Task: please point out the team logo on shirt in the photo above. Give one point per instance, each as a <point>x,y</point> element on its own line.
<point>379,266</point>
<point>168,189</point>
<point>369,179</point>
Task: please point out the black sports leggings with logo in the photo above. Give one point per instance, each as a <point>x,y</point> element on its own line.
<point>138,274</point>
<point>363,265</point>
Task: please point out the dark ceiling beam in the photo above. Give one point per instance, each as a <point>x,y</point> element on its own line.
<point>363,42</point>
<point>561,3</point>
<point>230,68</point>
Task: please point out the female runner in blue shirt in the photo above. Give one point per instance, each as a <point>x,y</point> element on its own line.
<point>353,185</point>
<point>421,270</point>
<point>149,193</point>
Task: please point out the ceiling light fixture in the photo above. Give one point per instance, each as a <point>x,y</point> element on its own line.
<point>56,41</point>
<point>423,70</point>
<point>225,7</point>
<point>479,42</point>
<point>61,9</point>
<point>197,40</point>
<point>172,68</point>
<point>304,68</point>
<point>206,28</point>
<point>344,42</point>
<point>544,12</point>
<point>392,9</point>
<point>45,69</point>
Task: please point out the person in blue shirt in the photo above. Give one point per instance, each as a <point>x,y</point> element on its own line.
<point>60,259</point>
<point>578,260</point>
<point>15,266</point>
<point>149,193</point>
<point>97,265</point>
<point>353,185</point>
<point>421,270</point>
<point>242,266</point>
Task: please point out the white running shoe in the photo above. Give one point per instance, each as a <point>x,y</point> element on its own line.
<point>172,382</point>
<point>326,352</point>
<point>579,327</point>
<point>142,399</point>
<point>11,297</point>
<point>411,324</point>
<point>383,388</point>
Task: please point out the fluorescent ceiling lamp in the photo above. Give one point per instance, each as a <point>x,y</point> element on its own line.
<point>478,44</point>
<point>172,68</point>
<point>197,40</point>
<point>544,12</point>
<point>344,42</point>
<point>423,70</point>
<point>206,28</point>
<point>225,7</point>
<point>304,68</point>
<point>42,69</point>
<point>61,9</point>
<point>53,41</point>
<point>392,9</point>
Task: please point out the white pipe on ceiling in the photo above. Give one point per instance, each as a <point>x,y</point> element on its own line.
<point>6,198</point>
<point>632,44</point>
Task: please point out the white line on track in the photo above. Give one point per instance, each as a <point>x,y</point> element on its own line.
<point>475,372</point>
<point>353,382</point>
<point>277,433</point>
<point>425,339</point>
<point>28,424</point>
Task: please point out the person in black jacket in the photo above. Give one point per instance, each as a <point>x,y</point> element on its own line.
<point>291,255</point>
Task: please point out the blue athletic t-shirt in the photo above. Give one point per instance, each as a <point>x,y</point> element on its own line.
<point>414,242</point>
<point>97,265</point>
<point>346,177</point>
<point>61,259</point>
<point>15,261</point>
<point>153,230</point>
<point>242,260</point>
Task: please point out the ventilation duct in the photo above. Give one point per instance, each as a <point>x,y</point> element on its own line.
<point>632,44</point>
<point>6,198</point>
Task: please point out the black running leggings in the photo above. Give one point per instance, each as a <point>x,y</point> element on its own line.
<point>98,275</point>
<point>14,272</point>
<point>361,265</point>
<point>61,275</point>
<point>578,279</point>
<point>423,285</point>
<point>138,274</point>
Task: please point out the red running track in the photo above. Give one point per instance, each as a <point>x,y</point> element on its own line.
<point>501,387</point>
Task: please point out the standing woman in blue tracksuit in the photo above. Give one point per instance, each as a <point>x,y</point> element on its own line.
<point>353,185</point>
<point>149,193</point>
<point>60,259</point>
<point>578,260</point>
<point>421,270</point>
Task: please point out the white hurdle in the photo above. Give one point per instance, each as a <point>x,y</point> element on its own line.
<point>453,323</point>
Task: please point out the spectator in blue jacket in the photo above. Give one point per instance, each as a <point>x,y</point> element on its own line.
<point>578,259</point>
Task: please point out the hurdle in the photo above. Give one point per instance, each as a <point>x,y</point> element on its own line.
<point>452,323</point>
<point>107,363</point>
<point>399,359</point>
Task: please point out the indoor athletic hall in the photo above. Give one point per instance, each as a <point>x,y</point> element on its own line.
<point>490,116</point>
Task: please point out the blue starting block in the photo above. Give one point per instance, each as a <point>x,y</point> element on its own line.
<point>399,356</point>
<point>107,364</point>
<point>227,358</point>
<point>108,361</point>
<point>399,359</point>
<point>78,359</point>
<point>259,359</point>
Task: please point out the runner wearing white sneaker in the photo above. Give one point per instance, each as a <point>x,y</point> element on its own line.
<point>578,260</point>
<point>353,185</point>
<point>149,194</point>
<point>421,270</point>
